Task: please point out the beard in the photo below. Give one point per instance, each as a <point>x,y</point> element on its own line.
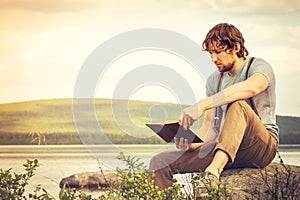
<point>227,68</point>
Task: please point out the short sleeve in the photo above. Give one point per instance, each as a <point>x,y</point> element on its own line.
<point>261,66</point>
<point>211,84</point>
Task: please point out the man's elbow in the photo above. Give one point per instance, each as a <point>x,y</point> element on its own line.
<point>250,90</point>
<point>255,84</point>
<point>254,91</point>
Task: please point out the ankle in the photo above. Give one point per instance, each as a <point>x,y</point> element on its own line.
<point>215,171</point>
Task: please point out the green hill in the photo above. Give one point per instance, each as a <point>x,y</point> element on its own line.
<point>51,121</point>
<point>289,129</point>
<point>117,121</point>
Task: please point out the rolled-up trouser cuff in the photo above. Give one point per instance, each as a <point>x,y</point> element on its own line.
<point>228,149</point>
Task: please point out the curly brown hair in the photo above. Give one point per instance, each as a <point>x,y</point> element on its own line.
<point>226,37</point>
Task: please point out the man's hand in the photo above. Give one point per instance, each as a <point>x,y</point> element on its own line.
<point>190,115</point>
<point>183,144</point>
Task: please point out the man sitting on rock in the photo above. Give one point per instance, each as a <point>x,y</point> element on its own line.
<point>239,121</point>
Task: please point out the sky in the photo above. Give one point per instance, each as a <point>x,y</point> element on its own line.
<point>44,44</point>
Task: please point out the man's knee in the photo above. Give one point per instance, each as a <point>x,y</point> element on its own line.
<point>240,106</point>
<point>156,163</point>
<point>238,103</point>
<point>153,162</point>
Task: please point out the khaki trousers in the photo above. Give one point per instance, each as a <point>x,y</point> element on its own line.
<point>243,137</point>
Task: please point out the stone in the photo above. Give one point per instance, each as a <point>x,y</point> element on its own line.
<point>258,183</point>
<point>89,180</point>
<point>241,183</point>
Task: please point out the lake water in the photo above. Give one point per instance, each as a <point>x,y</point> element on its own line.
<point>59,161</point>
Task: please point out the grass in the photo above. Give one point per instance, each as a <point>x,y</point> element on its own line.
<point>123,122</point>
<point>51,121</point>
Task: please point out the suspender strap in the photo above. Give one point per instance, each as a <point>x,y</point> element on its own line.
<point>252,103</point>
<point>220,82</point>
<point>251,59</point>
<point>218,112</point>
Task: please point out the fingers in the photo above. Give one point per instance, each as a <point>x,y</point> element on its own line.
<point>186,144</point>
<point>176,142</point>
<point>180,119</point>
<point>190,122</point>
<point>182,144</point>
<point>186,121</point>
<point>190,115</point>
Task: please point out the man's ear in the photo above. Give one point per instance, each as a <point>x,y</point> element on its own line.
<point>237,47</point>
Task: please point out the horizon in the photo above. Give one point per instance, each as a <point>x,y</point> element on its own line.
<point>156,102</point>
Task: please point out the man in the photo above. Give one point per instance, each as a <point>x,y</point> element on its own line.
<point>239,121</point>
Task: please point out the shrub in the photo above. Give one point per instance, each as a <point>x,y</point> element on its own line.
<point>73,194</point>
<point>134,183</point>
<point>282,184</point>
<point>12,185</point>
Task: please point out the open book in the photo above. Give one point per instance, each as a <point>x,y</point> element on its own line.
<point>170,129</point>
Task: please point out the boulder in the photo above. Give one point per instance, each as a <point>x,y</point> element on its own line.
<point>89,180</point>
<point>241,183</point>
<point>260,183</point>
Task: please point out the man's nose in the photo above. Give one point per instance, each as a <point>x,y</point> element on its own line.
<point>213,57</point>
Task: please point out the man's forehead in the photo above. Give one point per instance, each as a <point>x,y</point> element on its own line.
<point>215,45</point>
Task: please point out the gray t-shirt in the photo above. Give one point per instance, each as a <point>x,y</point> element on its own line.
<point>264,101</point>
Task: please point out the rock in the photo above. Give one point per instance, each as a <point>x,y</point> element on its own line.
<point>241,183</point>
<point>89,180</point>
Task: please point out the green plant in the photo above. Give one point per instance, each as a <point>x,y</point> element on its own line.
<point>37,137</point>
<point>282,184</point>
<point>12,185</point>
<point>134,183</point>
<point>73,194</point>
<point>216,191</point>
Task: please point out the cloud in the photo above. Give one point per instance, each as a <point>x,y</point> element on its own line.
<point>237,7</point>
<point>47,5</point>
<point>274,34</point>
<point>221,6</point>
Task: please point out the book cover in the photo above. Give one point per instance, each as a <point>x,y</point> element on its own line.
<point>170,129</point>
